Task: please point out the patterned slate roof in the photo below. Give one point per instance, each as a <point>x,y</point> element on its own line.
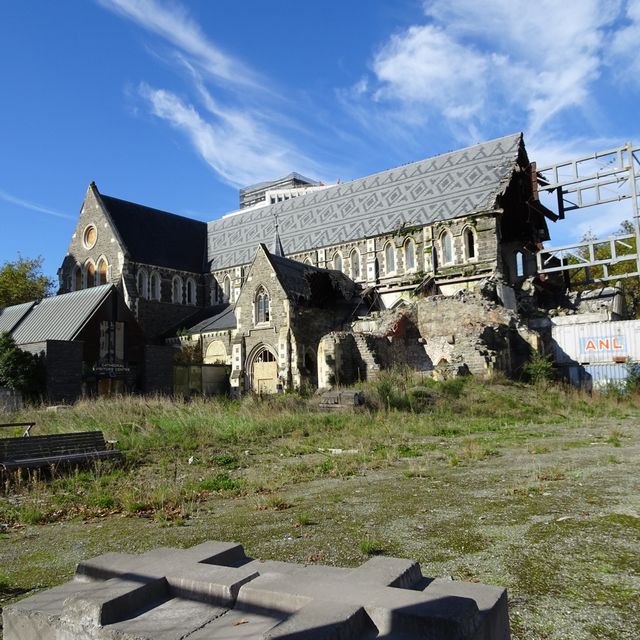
<point>60,317</point>
<point>156,237</point>
<point>439,188</point>
<point>11,316</point>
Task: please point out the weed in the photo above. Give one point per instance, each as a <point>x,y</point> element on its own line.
<point>372,546</point>
<point>226,460</point>
<point>615,438</point>
<point>304,519</point>
<point>220,482</point>
<point>275,502</point>
<point>539,369</point>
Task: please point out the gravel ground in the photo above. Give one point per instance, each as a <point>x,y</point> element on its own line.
<point>550,512</point>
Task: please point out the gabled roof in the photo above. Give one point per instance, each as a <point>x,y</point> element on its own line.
<point>439,188</point>
<point>60,317</point>
<point>159,238</point>
<point>220,321</point>
<point>309,285</point>
<point>11,316</point>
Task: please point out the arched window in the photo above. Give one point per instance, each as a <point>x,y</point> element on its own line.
<point>102,271</point>
<point>262,305</point>
<point>410,255</point>
<point>337,261</point>
<point>191,291</point>
<point>156,287</point>
<point>390,259</point>
<point>469,244</point>
<point>519,264</point>
<point>308,261</point>
<point>77,278</point>
<point>447,248</point>
<point>226,288</point>
<point>143,283</point>
<point>355,264</point>
<point>176,290</point>
<point>90,275</point>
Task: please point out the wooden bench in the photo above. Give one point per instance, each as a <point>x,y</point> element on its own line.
<point>28,425</point>
<point>59,448</point>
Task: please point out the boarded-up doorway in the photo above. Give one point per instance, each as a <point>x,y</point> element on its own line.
<point>264,372</point>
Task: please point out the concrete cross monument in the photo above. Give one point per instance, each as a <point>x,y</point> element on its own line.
<point>214,590</point>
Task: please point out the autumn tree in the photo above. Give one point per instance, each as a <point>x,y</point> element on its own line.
<point>22,281</point>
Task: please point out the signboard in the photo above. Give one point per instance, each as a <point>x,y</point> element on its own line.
<point>600,344</point>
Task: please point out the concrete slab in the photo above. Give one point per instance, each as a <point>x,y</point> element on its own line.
<point>214,590</point>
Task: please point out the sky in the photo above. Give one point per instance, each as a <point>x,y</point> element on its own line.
<point>178,104</point>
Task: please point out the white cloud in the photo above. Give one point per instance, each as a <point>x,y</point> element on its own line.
<point>624,52</point>
<point>234,144</point>
<point>175,25</point>
<point>32,206</point>
<point>481,64</point>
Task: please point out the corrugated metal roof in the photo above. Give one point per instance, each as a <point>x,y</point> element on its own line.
<point>439,188</point>
<point>11,316</point>
<point>60,317</point>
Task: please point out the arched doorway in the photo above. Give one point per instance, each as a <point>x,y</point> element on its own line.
<point>216,353</point>
<point>310,368</point>
<point>264,371</point>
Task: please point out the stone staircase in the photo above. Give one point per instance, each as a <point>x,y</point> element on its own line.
<point>366,346</point>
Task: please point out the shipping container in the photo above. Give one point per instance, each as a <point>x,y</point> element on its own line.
<point>596,343</point>
<point>596,376</point>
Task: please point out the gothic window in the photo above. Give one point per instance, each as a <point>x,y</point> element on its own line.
<point>390,258</point>
<point>410,255</point>
<point>355,264</point>
<point>143,283</point>
<point>156,292</point>
<point>519,264</point>
<point>226,288</point>
<point>176,290</point>
<point>337,261</point>
<point>191,291</point>
<point>90,275</point>
<point>447,247</point>
<point>469,244</point>
<point>102,271</point>
<point>262,305</point>
<point>77,278</point>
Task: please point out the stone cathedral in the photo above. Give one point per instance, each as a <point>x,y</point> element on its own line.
<point>312,283</point>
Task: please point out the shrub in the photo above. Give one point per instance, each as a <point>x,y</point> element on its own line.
<point>539,369</point>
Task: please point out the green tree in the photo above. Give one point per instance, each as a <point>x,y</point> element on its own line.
<point>22,281</point>
<point>19,369</point>
<point>630,285</point>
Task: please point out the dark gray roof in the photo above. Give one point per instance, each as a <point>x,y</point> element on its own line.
<point>439,188</point>
<point>11,316</point>
<point>159,238</point>
<point>309,285</point>
<point>221,321</point>
<point>60,317</point>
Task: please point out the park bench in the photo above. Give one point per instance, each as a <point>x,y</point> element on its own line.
<point>28,426</point>
<point>59,448</point>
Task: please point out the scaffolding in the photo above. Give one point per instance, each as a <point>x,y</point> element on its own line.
<point>605,177</point>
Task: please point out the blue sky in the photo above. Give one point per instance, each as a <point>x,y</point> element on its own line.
<point>178,104</point>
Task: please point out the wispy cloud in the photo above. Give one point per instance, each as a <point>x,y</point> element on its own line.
<point>226,118</point>
<point>173,23</point>
<point>232,143</point>
<point>478,67</point>
<point>32,206</point>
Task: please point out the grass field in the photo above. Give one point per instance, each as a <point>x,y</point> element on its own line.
<point>534,488</point>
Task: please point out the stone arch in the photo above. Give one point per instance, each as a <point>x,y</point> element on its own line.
<point>143,283</point>
<point>156,286</point>
<point>226,289</point>
<point>389,258</point>
<point>410,255</point>
<point>337,261</point>
<point>310,367</point>
<point>470,243</point>
<point>216,353</point>
<point>77,278</point>
<point>263,369</point>
<point>102,274</point>
<point>262,305</point>
<point>446,247</point>
<point>89,274</point>
<point>176,290</point>
<point>191,291</point>
<point>356,269</point>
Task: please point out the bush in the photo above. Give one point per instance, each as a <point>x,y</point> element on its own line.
<point>539,369</point>
<point>19,369</point>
